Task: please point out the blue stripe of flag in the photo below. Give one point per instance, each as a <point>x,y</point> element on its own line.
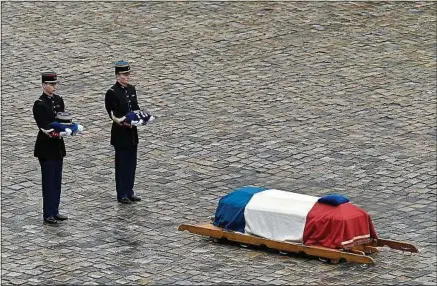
<point>230,210</point>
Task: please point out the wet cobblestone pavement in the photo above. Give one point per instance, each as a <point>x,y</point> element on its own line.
<point>307,97</point>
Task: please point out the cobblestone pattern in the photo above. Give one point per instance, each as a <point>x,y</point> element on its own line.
<point>310,97</point>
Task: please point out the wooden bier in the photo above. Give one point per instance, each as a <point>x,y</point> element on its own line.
<point>357,254</point>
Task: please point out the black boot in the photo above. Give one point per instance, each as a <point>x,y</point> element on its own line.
<point>124,200</point>
<point>135,198</point>
<point>61,217</point>
<point>50,220</point>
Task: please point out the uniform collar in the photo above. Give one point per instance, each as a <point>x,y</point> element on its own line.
<point>45,95</point>
<point>119,85</point>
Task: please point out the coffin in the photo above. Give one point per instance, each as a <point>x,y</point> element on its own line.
<point>286,216</point>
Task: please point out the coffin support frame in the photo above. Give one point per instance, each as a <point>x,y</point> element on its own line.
<point>357,254</point>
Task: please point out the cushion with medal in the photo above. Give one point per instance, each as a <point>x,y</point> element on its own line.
<point>333,199</point>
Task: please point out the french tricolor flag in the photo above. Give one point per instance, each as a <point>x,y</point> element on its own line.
<point>329,221</point>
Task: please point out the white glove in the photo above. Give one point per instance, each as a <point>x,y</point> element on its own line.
<point>47,131</point>
<point>67,132</point>
<point>136,122</point>
<point>79,128</point>
<point>151,119</point>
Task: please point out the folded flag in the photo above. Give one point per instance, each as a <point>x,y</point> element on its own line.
<point>68,128</point>
<point>287,216</point>
<point>135,118</point>
<point>63,126</point>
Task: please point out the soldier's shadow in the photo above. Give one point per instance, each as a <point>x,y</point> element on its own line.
<point>130,213</point>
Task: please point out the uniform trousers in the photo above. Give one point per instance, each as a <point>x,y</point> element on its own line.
<point>125,167</point>
<point>51,173</point>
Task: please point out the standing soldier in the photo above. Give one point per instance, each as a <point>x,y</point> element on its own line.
<point>49,148</point>
<point>121,99</point>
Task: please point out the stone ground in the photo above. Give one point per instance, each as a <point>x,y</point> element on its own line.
<point>309,97</point>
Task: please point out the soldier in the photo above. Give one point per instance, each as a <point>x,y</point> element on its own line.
<point>121,99</point>
<point>49,148</point>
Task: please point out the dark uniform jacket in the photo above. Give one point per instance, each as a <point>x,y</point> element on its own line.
<point>121,100</point>
<point>44,112</point>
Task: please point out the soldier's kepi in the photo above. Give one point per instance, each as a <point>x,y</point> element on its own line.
<point>122,67</point>
<point>49,77</point>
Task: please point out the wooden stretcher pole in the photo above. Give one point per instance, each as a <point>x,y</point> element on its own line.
<point>404,246</point>
<point>216,232</point>
<point>365,248</point>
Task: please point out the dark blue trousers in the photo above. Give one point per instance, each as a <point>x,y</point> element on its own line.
<point>125,166</point>
<point>51,173</point>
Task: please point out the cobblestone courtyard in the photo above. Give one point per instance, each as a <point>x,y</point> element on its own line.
<point>309,97</point>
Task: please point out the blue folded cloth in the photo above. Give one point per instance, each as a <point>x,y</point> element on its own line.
<point>138,117</point>
<point>60,127</point>
<point>333,199</point>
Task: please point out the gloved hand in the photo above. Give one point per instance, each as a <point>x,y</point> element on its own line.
<point>65,133</point>
<point>54,134</point>
<point>137,122</point>
<point>126,124</point>
<point>51,133</point>
<point>80,128</point>
<point>151,119</point>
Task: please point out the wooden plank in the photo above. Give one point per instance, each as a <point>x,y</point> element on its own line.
<point>216,232</point>
<point>365,248</point>
<point>370,249</point>
<point>357,251</point>
<point>399,245</point>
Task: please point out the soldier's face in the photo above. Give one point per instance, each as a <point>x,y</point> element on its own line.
<point>49,88</point>
<point>123,78</point>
